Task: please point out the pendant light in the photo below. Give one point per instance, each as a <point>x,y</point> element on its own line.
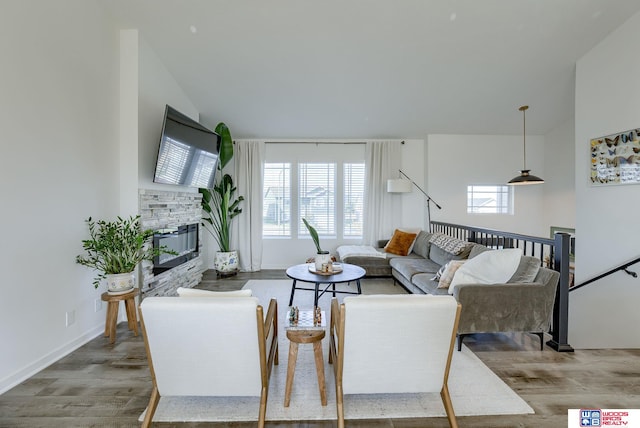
<point>525,177</point>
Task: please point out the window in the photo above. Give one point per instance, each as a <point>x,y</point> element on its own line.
<point>320,182</point>
<point>276,198</point>
<point>353,199</point>
<point>489,199</point>
<point>316,197</point>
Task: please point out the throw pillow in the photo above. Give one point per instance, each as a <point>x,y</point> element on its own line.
<point>527,270</point>
<point>440,272</point>
<point>449,244</point>
<point>405,230</point>
<point>195,292</point>
<point>449,273</point>
<point>400,242</point>
<point>490,267</point>
<point>421,245</point>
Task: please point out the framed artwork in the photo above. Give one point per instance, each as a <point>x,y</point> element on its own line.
<point>572,233</point>
<point>615,159</point>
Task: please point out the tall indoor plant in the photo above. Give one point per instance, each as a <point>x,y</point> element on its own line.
<point>220,207</point>
<point>115,248</point>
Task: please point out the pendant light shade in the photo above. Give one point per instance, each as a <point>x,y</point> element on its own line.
<point>525,177</point>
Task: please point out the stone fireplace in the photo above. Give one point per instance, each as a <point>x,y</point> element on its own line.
<point>174,215</point>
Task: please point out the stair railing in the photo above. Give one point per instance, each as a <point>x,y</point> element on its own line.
<point>552,252</point>
<point>623,267</point>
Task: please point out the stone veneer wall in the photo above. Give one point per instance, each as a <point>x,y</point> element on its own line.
<point>161,209</point>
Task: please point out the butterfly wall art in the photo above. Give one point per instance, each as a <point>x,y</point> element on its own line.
<point>615,159</point>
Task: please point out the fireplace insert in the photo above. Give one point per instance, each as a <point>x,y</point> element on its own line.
<point>182,239</point>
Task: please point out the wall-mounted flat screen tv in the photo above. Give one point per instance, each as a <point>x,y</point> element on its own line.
<point>188,152</point>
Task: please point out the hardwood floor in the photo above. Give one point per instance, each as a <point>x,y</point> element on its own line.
<point>104,385</point>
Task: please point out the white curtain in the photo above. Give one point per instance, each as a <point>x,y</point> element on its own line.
<point>247,229</point>
<point>382,159</point>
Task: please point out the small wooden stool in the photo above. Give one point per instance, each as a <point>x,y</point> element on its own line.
<point>305,336</point>
<point>112,312</point>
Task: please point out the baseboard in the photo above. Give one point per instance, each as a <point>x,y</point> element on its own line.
<point>274,267</point>
<point>44,362</point>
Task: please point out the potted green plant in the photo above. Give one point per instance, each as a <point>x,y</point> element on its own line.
<point>220,207</point>
<point>322,257</point>
<point>114,249</point>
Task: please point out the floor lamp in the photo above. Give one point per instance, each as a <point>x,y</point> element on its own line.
<point>400,185</point>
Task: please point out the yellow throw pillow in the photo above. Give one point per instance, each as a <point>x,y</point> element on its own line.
<point>400,242</point>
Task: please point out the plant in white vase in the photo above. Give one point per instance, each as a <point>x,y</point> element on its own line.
<point>322,257</point>
<point>220,207</point>
<point>115,248</point>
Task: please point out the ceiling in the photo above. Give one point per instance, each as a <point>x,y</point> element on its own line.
<point>374,68</point>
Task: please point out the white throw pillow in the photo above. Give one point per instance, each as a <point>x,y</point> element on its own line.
<point>490,267</point>
<point>195,292</point>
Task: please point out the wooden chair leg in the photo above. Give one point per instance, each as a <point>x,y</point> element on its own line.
<point>151,408</point>
<point>262,415</point>
<point>340,406</point>
<point>448,406</point>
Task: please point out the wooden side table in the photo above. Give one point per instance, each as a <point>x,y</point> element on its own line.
<point>305,336</point>
<point>112,312</point>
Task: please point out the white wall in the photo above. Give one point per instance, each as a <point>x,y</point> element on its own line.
<point>413,206</point>
<point>455,161</point>
<point>59,165</point>
<point>129,88</point>
<point>605,314</point>
<point>559,174</point>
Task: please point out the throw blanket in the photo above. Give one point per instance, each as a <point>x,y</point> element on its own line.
<point>345,251</point>
<point>448,243</point>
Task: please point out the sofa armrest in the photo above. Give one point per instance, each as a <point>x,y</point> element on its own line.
<point>505,307</point>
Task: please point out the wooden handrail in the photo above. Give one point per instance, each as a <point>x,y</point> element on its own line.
<point>552,252</point>
<point>622,267</point>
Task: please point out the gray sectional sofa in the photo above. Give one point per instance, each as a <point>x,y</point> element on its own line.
<point>523,304</point>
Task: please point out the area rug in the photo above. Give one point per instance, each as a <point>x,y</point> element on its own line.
<point>475,390</point>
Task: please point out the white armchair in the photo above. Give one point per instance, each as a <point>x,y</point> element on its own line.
<point>381,344</point>
<point>209,347</point>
